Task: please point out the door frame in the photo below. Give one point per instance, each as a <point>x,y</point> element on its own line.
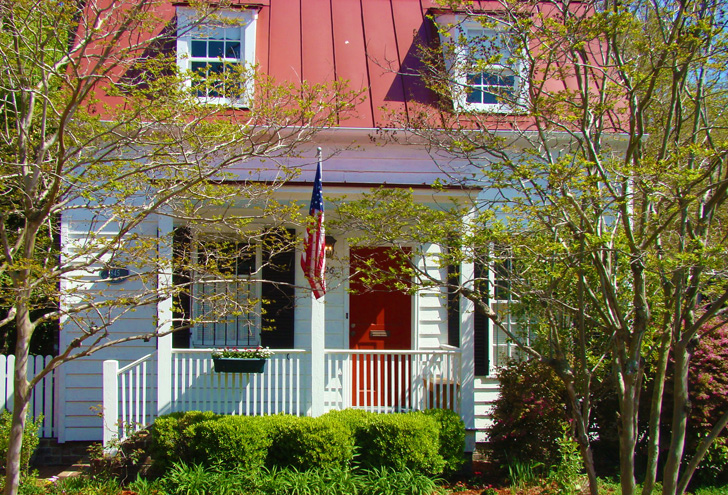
<point>414,307</point>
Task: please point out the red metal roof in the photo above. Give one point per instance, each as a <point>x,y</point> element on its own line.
<point>369,43</point>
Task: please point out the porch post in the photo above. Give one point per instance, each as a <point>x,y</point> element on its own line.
<point>467,357</point>
<point>317,355</point>
<point>110,400</point>
<point>164,316</point>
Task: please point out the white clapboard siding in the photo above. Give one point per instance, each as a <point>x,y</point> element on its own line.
<point>80,387</point>
<point>42,398</point>
<point>486,393</point>
<point>431,304</point>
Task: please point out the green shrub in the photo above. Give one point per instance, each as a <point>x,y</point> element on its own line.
<point>422,442</point>
<point>353,419</point>
<point>144,486</point>
<point>169,443</point>
<point>30,439</point>
<point>307,443</point>
<point>567,473</point>
<point>400,441</point>
<point>230,441</point>
<point>527,415</point>
<point>712,490</point>
<point>451,439</point>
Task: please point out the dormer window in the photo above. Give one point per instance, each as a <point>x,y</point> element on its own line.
<point>485,65</point>
<point>217,55</point>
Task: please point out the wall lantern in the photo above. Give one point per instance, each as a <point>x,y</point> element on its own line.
<point>330,243</point>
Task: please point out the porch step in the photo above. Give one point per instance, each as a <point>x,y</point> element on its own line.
<point>52,453</point>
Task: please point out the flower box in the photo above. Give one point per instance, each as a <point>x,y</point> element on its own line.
<point>238,365</point>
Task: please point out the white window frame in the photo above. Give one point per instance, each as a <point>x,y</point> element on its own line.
<point>220,332</point>
<point>189,25</point>
<point>458,29</point>
<point>500,347</point>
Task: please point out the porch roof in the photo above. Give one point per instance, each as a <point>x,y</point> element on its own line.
<point>341,172</point>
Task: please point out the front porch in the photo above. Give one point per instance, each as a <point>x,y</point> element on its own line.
<point>294,381</point>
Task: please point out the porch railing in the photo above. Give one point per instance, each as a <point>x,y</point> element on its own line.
<point>392,381</point>
<point>195,386</point>
<point>379,381</point>
<point>129,400</point>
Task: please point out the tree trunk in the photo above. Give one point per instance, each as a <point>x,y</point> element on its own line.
<point>679,420</point>
<point>582,438</point>
<point>700,453</point>
<point>653,438</point>
<point>20,405</point>
<point>627,433</point>
<point>586,454</point>
<point>581,422</point>
<point>15,444</point>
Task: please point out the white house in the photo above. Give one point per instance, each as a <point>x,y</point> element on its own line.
<point>383,351</point>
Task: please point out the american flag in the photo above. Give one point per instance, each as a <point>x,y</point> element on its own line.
<point>313,260</point>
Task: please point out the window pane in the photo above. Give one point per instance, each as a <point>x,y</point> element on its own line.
<point>491,79</point>
<point>232,50</point>
<point>199,67</point>
<point>489,98</point>
<point>503,273</point>
<point>214,72</point>
<point>475,96</point>
<point>495,79</point>
<point>228,319</point>
<point>199,48</point>
<point>216,49</point>
<point>474,79</point>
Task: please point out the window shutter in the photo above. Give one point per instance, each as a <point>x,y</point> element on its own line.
<point>481,324</point>
<point>182,305</point>
<point>453,308</point>
<point>278,299</point>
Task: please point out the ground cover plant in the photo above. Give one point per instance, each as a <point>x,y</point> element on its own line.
<point>197,479</point>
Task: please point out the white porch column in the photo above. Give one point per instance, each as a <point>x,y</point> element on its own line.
<point>164,316</point>
<point>110,404</point>
<point>467,371</point>
<point>318,332</point>
<point>467,346</point>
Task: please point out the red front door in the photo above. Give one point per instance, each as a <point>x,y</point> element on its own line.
<point>380,318</point>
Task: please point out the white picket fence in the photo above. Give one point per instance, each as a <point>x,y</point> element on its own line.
<point>42,399</point>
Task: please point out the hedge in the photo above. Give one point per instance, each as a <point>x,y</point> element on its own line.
<point>428,442</point>
<point>400,441</point>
